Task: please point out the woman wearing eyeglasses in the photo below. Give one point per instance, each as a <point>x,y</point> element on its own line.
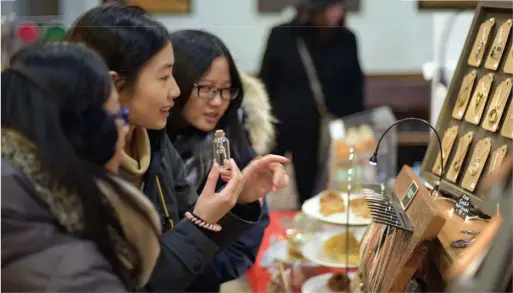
<point>212,93</point>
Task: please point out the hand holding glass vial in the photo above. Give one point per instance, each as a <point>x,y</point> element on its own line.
<point>221,148</point>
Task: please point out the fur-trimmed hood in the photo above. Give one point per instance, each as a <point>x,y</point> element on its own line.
<point>257,107</point>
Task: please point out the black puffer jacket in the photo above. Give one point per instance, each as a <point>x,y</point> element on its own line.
<point>186,249</point>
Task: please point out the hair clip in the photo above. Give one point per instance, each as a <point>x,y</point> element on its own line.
<point>476,218</point>
<point>470,232</point>
<point>462,243</point>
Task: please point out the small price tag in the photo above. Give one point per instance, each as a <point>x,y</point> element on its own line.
<point>462,206</point>
<point>409,195</point>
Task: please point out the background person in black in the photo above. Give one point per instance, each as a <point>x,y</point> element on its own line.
<point>333,49</point>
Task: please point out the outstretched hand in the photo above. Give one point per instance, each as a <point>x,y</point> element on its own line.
<point>263,175</point>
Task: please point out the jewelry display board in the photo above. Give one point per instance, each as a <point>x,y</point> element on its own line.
<point>479,104</point>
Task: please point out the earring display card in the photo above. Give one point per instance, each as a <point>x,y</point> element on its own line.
<point>498,46</point>
<point>478,102</point>
<point>508,65</point>
<point>497,105</point>
<point>464,95</point>
<point>459,156</point>
<point>476,164</point>
<point>497,158</point>
<point>447,144</point>
<point>480,42</point>
<point>507,128</point>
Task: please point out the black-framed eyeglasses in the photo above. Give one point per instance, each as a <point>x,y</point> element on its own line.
<point>210,92</point>
<point>121,115</point>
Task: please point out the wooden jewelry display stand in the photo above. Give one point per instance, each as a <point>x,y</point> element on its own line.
<point>486,265</point>
<point>476,128</point>
<point>478,104</point>
<point>391,256</point>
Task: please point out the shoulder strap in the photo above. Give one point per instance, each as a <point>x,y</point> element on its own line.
<point>315,84</point>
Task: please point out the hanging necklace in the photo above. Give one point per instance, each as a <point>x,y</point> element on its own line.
<point>481,42</point>
<point>497,161</point>
<point>446,144</point>
<point>463,97</point>
<point>479,99</point>
<point>474,167</point>
<point>493,115</point>
<point>494,165</point>
<point>497,49</point>
<point>459,154</point>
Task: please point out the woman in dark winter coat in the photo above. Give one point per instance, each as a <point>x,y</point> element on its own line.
<point>67,226</point>
<point>334,54</point>
<point>137,50</point>
<point>211,97</point>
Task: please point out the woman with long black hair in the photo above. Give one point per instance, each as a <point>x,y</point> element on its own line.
<point>67,225</point>
<point>211,98</point>
<point>141,58</point>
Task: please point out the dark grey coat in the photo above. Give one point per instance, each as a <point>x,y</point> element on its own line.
<point>37,254</point>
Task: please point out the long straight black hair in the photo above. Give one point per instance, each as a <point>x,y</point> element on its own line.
<point>127,38</point>
<point>53,94</point>
<point>195,50</point>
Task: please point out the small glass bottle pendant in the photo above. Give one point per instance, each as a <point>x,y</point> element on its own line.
<point>221,148</point>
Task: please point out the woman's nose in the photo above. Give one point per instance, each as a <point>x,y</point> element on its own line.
<point>216,101</point>
<point>174,90</point>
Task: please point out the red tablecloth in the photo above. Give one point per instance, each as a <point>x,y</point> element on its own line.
<point>258,278</point>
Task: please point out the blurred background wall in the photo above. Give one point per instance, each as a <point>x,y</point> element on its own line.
<point>399,46</point>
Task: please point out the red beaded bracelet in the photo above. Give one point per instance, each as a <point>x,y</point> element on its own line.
<point>197,221</point>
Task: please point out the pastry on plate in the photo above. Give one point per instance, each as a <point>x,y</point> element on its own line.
<point>360,208</point>
<point>342,150</point>
<point>336,248</point>
<point>367,138</point>
<point>339,282</point>
<point>331,203</point>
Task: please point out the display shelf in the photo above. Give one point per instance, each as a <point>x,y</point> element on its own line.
<point>476,56</point>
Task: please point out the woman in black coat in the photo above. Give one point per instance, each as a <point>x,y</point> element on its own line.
<point>195,228</point>
<point>333,50</point>
<point>211,98</point>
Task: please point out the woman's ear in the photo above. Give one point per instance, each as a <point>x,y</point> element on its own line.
<point>118,82</point>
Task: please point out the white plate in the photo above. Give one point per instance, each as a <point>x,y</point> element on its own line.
<point>312,207</point>
<point>314,252</point>
<point>319,284</point>
<point>279,251</point>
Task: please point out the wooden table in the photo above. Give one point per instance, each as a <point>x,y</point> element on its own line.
<point>443,254</point>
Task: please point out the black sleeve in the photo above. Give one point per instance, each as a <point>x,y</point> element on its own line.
<point>240,219</point>
<point>269,71</point>
<point>355,90</point>
<point>187,249</point>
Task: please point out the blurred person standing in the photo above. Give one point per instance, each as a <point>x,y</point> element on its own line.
<point>310,67</point>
